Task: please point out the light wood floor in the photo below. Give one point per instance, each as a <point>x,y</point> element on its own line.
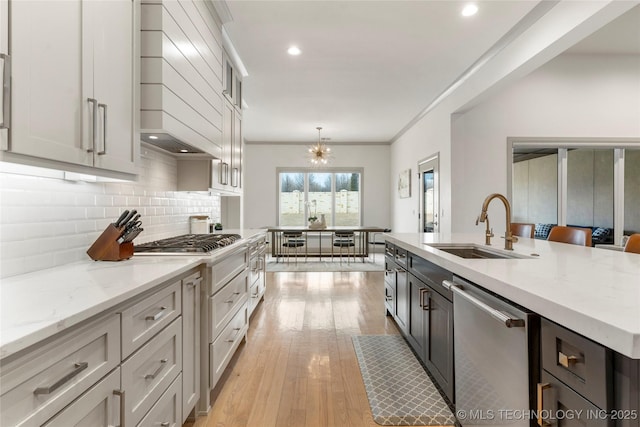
<point>298,367</point>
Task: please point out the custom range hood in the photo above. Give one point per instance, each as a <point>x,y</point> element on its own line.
<point>175,146</point>
<point>181,99</point>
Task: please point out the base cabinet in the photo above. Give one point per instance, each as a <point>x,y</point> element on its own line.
<point>98,407</point>
<point>190,343</point>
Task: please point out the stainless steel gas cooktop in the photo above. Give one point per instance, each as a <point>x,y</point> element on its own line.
<point>188,243</point>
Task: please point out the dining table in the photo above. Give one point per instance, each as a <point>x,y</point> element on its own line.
<point>361,243</point>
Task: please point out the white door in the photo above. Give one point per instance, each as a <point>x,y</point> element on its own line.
<point>49,48</point>
<point>429,195</point>
<point>237,151</point>
<point>113,84</point>
<point>227,142</point>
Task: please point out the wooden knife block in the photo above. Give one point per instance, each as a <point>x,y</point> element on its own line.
<point>107,248</point>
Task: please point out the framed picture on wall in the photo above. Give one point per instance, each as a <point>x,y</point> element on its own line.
<point>404,184</point>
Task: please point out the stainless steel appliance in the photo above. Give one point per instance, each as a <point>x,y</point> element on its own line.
<point>187,244</point>
<point>496,358</point>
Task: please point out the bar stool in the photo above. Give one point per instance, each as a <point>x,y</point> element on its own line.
<point>572,235</point>
<point>372,242</point>
<point>522,229</point>
<point>343,239</point>
<point>633,244</point>
<point>292,240</point>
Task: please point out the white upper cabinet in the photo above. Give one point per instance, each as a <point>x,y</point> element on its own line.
<point>72,79</point>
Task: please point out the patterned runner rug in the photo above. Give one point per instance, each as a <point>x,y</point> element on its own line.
<point>400,392</point>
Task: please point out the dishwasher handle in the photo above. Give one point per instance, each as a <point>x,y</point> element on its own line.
<point>509,322</point>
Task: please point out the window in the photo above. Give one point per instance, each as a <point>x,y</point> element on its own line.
<point>577,183</point>
<point>334,193</point>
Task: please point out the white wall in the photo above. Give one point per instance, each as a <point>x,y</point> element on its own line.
<point>550,35</point>
<point>260,181</point>
<point>46,222</point>
<point>571,96</point>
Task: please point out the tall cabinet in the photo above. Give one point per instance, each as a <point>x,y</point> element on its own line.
<point>72,82</point>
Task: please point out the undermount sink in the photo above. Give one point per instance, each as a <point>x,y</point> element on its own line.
<point>473,251</point>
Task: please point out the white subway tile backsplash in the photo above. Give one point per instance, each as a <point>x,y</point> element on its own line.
<point>45,222</point>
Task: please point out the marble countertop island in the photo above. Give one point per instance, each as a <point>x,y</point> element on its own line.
<point>592,291</point>
<point>37,305</point>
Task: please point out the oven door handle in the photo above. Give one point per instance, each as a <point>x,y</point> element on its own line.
<point>509,322</point>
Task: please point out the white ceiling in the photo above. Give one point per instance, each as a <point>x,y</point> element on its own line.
<point>367,68</point>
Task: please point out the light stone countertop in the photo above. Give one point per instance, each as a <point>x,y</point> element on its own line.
<point>37,305</point>
<point>594,292</point>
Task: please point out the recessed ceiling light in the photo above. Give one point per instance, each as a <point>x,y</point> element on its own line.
<point>469,10</point>
<point>153,137</point>
<point>294,51</point>
<point>182,150</point>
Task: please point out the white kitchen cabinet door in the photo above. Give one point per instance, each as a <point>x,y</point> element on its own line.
<point>96,408</point>
<point>227,144</point>
<point>72,67</point>
<point>190,343</point>
<point>50,82</point>
<point>113,70</point>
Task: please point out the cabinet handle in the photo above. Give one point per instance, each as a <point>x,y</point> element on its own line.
<point>120,393</point>
<point>386,272</point>
<point>94,131</point>
<point>78,367</point>
<point>224,173</point>
<point>423,292</point>
<point>163,363</point>
<point>235,335</point>
<point>6,91</point>
<point>568,361</point>
<point>165,424</point>
<point>541,388</point>
<point>234,177</point>
<point>157,315</point>
<point>194,283</point>
<point>400,270</point>
<point>104,129</point>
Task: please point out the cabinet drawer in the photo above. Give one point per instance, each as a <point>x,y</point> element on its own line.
<point>556,399</point>
<point>95,408</point>
<point>254,297</point>
<point>401,256</point>
<point>221,350</point>
<point>579,362</point>
<point>145,319</point>
<point>390,272</point>
<point>227,269</point>
<point>431,274</point>
<point>167,410</point>
<point>150,370</point>
<point>224,304</point>
<point>39,384</point>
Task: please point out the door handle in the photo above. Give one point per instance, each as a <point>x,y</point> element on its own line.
<point>104,129</point>
<point>423,304</point>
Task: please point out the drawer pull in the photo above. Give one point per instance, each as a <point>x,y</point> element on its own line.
<point>165,424</point>
<point>568,361</point>
<point>163,363</point>
<point>78,367</point>
<point>541,388</point>
<point>157,315</point>
<point>120,393</point>
<point>193,283</point>
<point>235,336</point>
<point>231,301</point>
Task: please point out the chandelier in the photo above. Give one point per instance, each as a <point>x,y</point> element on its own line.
<point>319,153</point>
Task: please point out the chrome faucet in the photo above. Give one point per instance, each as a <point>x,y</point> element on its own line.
<point>509,238</point>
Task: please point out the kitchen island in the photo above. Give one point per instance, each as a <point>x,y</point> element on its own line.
<point>591,291</point>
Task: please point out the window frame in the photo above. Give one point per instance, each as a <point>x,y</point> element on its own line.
<point>308,170</point>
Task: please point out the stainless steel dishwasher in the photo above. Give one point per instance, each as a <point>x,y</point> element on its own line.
<point>496,358</point>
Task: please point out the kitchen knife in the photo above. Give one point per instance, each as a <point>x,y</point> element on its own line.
<point>133,223</point>
<point>133,234</point>
<point>122,217</point>
<point>131,215</point>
